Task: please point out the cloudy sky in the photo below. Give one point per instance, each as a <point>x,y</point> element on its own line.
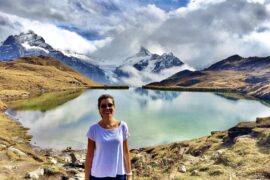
<point>199,32</point>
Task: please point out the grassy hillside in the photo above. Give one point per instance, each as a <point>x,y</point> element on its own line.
<point>253,83</point>
<point>242,152</point>
<point>23,78</point>
<point>32,75</point>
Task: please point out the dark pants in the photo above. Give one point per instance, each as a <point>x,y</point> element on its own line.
<point>118,177</point>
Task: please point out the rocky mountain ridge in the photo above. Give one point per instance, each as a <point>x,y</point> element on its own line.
<point>30,44</point>
<point>145,67</point>
<point>248,76</point>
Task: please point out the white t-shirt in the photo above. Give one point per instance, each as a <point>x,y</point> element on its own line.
<point>108,160</point>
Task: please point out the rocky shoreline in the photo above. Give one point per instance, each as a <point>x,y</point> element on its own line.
<point>22,160</point>
<point>242,152</point>
<point>222,155</point>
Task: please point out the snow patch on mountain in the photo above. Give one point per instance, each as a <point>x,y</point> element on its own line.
<point>31,44</point>
<point>145,67</point>
<point>83,57</point>
<point>28,47</point>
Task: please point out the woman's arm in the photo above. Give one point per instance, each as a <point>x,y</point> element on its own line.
<point>127,159</point>
<point>89,158</point>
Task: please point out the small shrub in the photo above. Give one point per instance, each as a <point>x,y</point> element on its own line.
<point>215,172</point>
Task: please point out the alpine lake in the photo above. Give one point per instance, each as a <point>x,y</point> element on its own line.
<point>61,119</point>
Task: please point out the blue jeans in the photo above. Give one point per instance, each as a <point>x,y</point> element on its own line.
<point>118,177</point>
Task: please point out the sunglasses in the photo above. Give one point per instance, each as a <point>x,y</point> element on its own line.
<point>104,106</point>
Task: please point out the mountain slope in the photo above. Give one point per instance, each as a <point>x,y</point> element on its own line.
<point>23,76</point>
<point>30,44</point>
<point>145,67</point>
<point>249,76</point>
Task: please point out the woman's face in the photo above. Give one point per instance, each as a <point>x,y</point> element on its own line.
<point>106,107</point>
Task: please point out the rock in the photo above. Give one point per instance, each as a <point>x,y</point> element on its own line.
<point>201,150</point>
<point>203,158</point>
<point>35,174</point>
<point>16,151</point>
<point>76,160</point>
<point>240,129</point>
<point>3,106</point>
<point>263,122</point>
<point>217,155</point>
<point>11,167</point>
<point>218,134</point>
<point>79,176</point>
<point>68,149</point>
<point>239,138</point>
<point>52,160</point>
<point>195,173</point>
<point>182,169</point>
<point>135,151</point>
<point>2,147</point>
<point>67,159</point>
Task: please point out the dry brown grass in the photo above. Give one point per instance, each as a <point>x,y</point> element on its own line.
<point>247,158</point>
<point>13,135</point>
<point>38,74</point>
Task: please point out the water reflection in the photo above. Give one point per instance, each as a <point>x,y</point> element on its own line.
<point>155,94</point>
<point>154,117</point>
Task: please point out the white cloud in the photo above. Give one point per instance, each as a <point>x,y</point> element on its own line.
<point>203,32</point>
<point>138,78</point>
<point>58,38</point>
<point>256,1</point>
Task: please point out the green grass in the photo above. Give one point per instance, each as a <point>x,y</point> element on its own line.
<point>46,101</point>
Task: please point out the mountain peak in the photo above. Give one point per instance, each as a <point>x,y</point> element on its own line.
<point>143,52</point>
<point>29,36</point>
<point>234,58</point>
<point>167,54</point>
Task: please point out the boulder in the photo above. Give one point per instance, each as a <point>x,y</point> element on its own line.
<point>68,149</point>
<point>217,155</point>
<point>243,128</point>
<point>195,173</point>
<point>76,160</point>
<point>182,169</point>
<point>35,174</point>
<point>263,122</point>
<point>52,160</point>
<point>16,151</point>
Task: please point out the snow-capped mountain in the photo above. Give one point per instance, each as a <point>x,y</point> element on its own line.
<point>30,44</point>
<point>145,67</point>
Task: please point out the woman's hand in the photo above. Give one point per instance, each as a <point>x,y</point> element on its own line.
<point>129,177</point>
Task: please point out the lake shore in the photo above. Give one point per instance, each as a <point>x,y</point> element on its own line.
<point>219,155</point>
<point>227,92</point>
<point>241,152</point>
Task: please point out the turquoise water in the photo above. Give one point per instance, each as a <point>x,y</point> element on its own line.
<point>153,117</point>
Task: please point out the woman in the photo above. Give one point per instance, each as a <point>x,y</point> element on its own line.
<point>107,151</point>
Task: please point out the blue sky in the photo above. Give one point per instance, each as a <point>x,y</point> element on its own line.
<point>166,5</point>
<point>199,32</point>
